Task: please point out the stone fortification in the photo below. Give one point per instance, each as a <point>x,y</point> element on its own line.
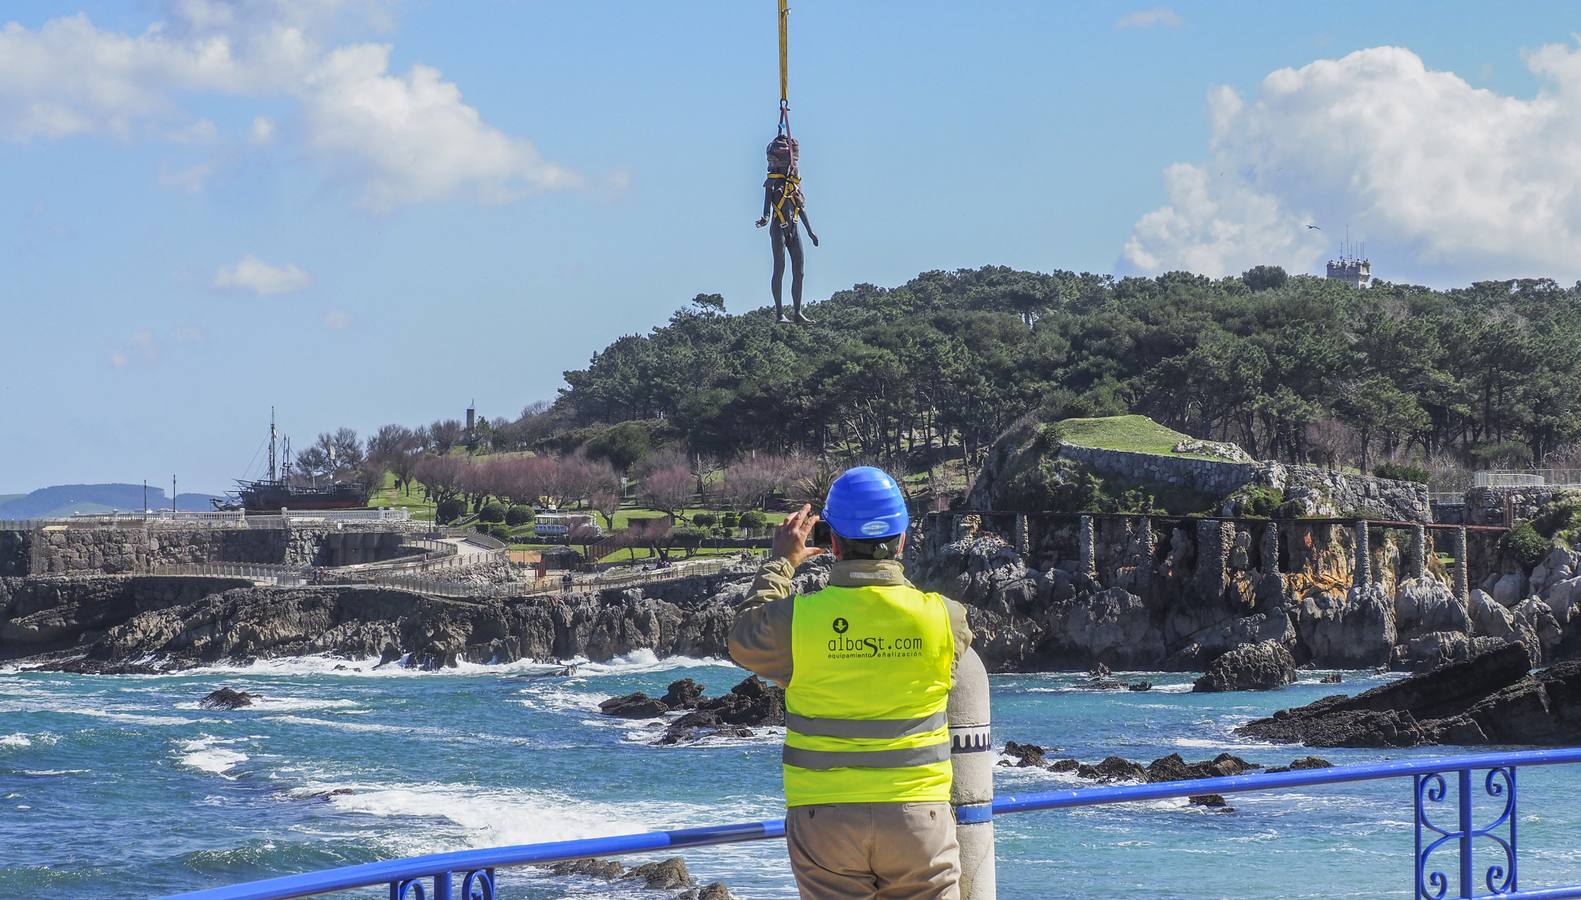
<point>62,550</point>
<point>1030,469</point>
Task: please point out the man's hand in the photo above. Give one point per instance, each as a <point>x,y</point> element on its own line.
<point>813,236</point>
<point>790,539</point>
<point>763,221</point>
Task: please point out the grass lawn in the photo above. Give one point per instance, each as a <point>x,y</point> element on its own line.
<point>388,496</point>
<point>1138,434</point>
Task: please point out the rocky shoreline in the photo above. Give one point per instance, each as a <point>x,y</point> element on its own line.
<point>1493,698</point>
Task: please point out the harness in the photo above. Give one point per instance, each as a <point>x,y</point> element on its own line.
<point>790,192</point>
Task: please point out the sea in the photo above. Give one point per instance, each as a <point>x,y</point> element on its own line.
<point>124,787</point>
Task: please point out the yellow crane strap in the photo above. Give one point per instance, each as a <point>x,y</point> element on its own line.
<point>784,52</point>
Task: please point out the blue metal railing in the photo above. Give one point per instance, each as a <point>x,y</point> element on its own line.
<point>409,879</point>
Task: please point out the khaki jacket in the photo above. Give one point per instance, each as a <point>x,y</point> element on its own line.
<point>760,636</point>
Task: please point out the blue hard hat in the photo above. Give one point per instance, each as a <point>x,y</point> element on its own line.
<point>866,504</point>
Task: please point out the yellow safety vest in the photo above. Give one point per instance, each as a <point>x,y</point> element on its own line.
<point>866,717</point>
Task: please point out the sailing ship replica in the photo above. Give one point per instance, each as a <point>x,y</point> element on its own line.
<point>284,490</point>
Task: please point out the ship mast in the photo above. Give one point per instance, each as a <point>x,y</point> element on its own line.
<point>271,444</point>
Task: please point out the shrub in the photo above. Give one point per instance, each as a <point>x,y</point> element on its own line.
<point>1403,472</point>
<point>753,520</point>
<point>501,532</point>
<point>518,516</point>
<point>1527,546</point>
<point>493,513</point>
<point>449,510</point>
<point>729,521</point>
<point>1560,518</point>
<point>1262,502</point>
<point>705,520</point>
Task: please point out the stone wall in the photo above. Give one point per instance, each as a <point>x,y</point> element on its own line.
<point>120,551</point>
<point>1201,475</point>
<point>1487,505</point>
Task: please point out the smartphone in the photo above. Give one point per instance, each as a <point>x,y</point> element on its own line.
<point>822,535</point>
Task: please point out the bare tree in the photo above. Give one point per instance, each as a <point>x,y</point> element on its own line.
<point>445,434</point>
<point>443,477</point>
<point>668,490</point>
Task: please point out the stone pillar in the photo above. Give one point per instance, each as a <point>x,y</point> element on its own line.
<point>1023,536</point>
<point>1419,551</point>
<point>1363,555</point>
<point>972,791</point>
<point>1461,580</point>
<point>1271,548</point>
<point>1146,541</point>
<point>1089,549</point>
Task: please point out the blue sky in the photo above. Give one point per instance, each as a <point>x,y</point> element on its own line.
<point>363,212</point>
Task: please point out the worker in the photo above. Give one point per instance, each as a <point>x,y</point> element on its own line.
<point>867,664</point>
<point>783,204</point>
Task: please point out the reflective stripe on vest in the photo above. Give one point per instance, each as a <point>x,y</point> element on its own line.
<point>866,708</point>
<point>866,728</point>
<point>866,759</point>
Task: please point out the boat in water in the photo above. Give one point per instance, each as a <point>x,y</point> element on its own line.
<point>283,489</point>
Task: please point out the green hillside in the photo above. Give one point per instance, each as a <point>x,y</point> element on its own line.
<point>1137,434</point>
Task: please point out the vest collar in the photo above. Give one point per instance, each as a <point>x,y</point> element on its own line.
<point>867,573</point>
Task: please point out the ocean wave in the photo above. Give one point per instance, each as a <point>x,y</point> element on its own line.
<point>210,754</point>
<point>53,773</point>
<point>640,661</point>
<point>270,703</point>
<point>15,740</point>
<point>482,816</point>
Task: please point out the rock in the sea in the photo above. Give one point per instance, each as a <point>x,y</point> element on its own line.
<point>1174,768</point>
<point>1113,768</point>
<point>1509,589</point>
<point>1305,762</point>
<point>682,694</point>
<point>633,706</point>
<point>1255,667</point>
<point>714,891</point>
<point>1332,678</point>
<point>752,703</point>
<point>589,868</point>
<point>1139,686</point>
<point>225,698</point>
<point>1212,801</point>
<point>1024,756</point>
<point>665,875</point>
<point>1489,699</point>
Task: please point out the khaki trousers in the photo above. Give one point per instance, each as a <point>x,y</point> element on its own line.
<point>895,851</point>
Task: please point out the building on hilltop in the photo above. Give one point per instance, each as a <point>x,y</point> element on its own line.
<point>1352,268</point>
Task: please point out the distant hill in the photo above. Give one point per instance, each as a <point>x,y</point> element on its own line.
<point>69,499</point>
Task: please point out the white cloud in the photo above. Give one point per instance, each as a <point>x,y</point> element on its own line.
<point>336,319</point>
<point>262,131</point>
<point>118,359</point>
<point>192,179</point>
<point>410,139</point>
<point>253,274</point>
<point>394,138</point>
<point>1157,17</point>
<point>1437,176</point>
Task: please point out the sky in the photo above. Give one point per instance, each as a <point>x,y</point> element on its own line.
<point>372,211</point>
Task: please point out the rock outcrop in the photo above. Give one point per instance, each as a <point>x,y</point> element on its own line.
<point>1254,667</point>
<point>1489,699</point>
<point>753,703</point>
<point>120,623</point>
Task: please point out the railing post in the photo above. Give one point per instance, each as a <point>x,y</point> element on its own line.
<point>442,886</point>
<point>972,790</point>
<point>1464,779</point>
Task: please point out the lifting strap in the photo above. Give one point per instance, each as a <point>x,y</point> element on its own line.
<point>785,66</point>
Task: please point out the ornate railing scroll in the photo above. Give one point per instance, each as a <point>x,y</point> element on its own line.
<point>1431,791</point>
